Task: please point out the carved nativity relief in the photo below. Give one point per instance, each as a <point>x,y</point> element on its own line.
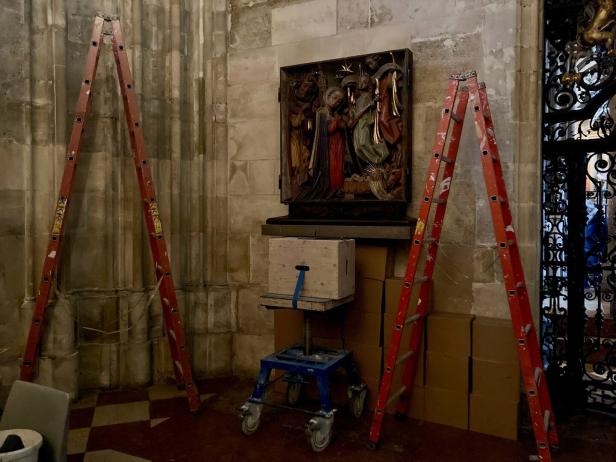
<point>345,134</point>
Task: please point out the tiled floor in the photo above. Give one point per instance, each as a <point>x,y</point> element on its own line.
<point>100,417</point>
<point>155,425</point>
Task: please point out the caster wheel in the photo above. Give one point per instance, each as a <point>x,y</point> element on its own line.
<point>319,432</point>
<point>250,424</point>
<point>358,403</point>
<point>294,392</point>
<point>320,439</point>
<point>250,415</point>
<point>371,445</point>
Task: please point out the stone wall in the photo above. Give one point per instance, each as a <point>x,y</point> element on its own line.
<point>498,38</point>
<point>206,72</point>
<point>102,330</point>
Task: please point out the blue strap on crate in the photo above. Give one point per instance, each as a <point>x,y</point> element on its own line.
<point>298,285</point>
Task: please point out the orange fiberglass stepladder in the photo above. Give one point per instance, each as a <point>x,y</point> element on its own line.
<point>171,314</point>
<point>460,88</point>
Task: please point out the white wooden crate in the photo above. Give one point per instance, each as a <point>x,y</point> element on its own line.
<point>331,264</point>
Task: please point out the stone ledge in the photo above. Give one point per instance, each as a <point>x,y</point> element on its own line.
<point>401,231</point>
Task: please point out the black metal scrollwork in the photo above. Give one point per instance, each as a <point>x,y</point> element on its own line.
<point>578,305</point>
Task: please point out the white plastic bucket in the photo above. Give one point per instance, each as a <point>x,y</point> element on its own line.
<point>32,442</point>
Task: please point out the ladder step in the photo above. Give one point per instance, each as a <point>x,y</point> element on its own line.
<point>456,118</point>
<point>538,372</point>
<point>418,280</point>
<point>404,357</point>
<point>527,329</point>
<point>412,319</point>
<point>447,160</point>
<point>439,201</point>
<point>396,395</point>
<point>432,240</point>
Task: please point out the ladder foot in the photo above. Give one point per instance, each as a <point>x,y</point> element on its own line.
<point>372,445</point>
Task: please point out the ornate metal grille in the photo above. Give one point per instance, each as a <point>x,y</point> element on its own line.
<point>578,306</point>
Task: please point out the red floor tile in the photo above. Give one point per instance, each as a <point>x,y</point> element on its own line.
<point>132,438</point>
<point>121,396</point>
<point>81,418</point>
<point>171,407</point>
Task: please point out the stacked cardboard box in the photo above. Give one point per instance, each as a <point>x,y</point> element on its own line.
<point>495,393</point>
<point>363,322</point>
<point>448,353</point>
<point>393,288</point>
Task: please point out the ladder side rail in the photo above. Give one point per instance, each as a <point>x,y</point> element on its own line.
<point>521,332</point>
<point>175,330</point>
<point>511,237</point>
<point>502,189</point>
<point>414,254</point>
<point>53,252</point>
<point>435,234</point>
<point>510,231</point>
<point>522,292</point>
<point>144,175</point>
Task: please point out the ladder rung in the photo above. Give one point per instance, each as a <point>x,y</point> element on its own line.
<point>432,240</point>
<point>396,395</point>
<point>519,285</point>
<point>527,329</point>
<point>546,420</point>
<point>412,319</point>
<point>418,280</point>
<point>447,160</point>
<point>439,201</point>
<point>456,118</point>
<point>538,372</point>
<point>404,357</point>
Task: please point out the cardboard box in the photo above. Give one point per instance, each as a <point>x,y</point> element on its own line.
<point>393,288</point>
<point>446,407</point>
<point>498,417</point>
<point>416,410</point>
<point>328,324</point>
<point>368,296</point>
<point>493,379</point>
<point>493,340</point>
<point>361,327</point>
<point>333,343</point>
<point>338,385</point>
<point>288,328</point>
<point>331,265</point>
<point>449,333</point>
<point>374,262</point>
<point>369,359</point>
<point>447,372</point>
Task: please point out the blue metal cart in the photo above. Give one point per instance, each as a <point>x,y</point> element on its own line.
<point>300,362</point>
